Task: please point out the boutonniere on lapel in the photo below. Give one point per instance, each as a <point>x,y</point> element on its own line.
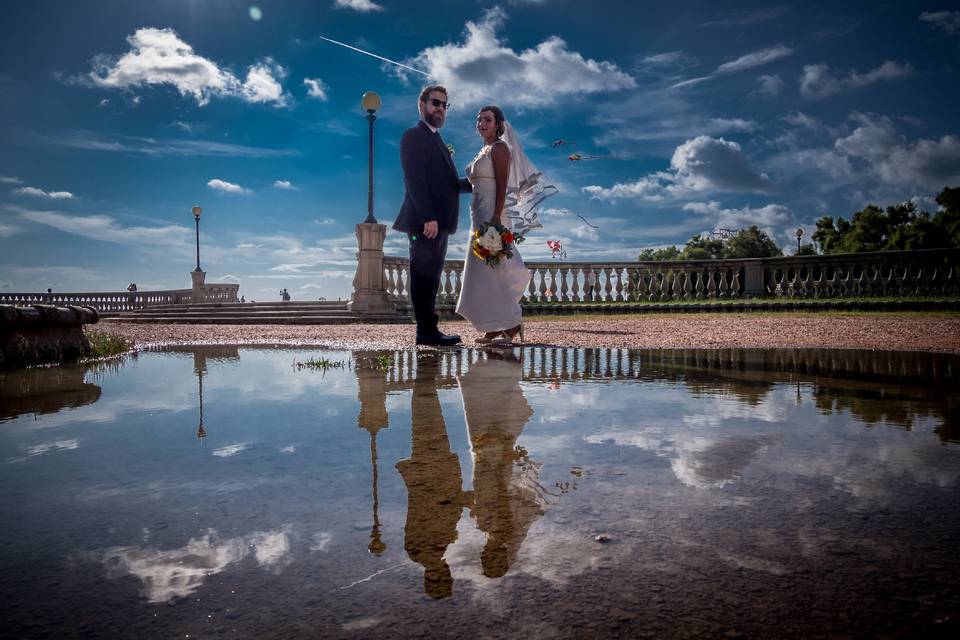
<point>450,149</point>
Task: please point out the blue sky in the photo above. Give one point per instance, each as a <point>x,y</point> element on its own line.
<point>117,116</point>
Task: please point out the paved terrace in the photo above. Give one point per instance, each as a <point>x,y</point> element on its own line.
<point>934,332</point>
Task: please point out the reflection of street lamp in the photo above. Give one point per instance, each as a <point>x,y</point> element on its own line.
<point>370,102</point>
<point>799,235</point>
<point>201,432</point>
<point>196,216</point>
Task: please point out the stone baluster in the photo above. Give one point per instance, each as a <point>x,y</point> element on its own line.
<point>735,283</point>
<point>723,289</point>
<point>607,294</point>
<point>564,290</point>
<point>542,289</point>
<point>575,285</point>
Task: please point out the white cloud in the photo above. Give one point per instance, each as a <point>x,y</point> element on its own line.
<point>283,184</point>
<point>324,221</point>
<point>770,218</point>
<point>704,164</point>
<point>668,61</point>
<point>105,228</point>
<point>744,62</point>
<point>160,57</point>
<point>949,21</point>
<point>482,69</point>
<point>10,180</point>
<point>755,59</point>
<point>929,164</point>
<point>159,147</point>
<point>744,18</point>
<point>105,102</point>
<point>363,6</point>
<point>53,195</point>
<point>227,187</point>
<point>316,88</point>
<point>262,84</point>
<point>818,81</point>
<point>7,230</point>
<point>770,85</point>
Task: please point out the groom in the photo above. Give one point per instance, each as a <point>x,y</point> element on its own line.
<point>430,209</point>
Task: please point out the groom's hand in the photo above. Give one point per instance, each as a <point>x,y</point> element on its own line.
<point>430,230</point>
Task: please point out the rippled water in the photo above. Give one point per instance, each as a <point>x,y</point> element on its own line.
<point>553,493</point>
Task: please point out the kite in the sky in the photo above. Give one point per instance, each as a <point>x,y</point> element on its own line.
<point>561,143</point>
<point>577,157</point>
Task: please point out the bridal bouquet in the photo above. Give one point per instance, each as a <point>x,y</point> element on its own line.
<point>493,242</point>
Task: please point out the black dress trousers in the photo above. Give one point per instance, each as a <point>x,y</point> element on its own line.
<point>426,267</point>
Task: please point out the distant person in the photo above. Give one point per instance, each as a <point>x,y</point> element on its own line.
<point>49,290</point>
<point>591,282</point>
<point>242,300</point>
<point>132,287</point>
<point>284,295</point>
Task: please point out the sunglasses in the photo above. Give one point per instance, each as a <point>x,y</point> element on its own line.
<point>438,103</point>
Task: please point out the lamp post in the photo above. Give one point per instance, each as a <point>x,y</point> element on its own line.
<point>196,216</point>
<point>799,235</point>
<point>370,103</point>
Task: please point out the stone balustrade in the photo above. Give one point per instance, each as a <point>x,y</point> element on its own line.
<point>109,302</point>
<point>932,272</point>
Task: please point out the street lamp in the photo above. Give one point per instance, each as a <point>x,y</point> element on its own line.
<point>196,216</point>
<point>370,103</point>
<point>799,235</point>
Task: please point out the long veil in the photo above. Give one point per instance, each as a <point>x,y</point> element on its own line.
<point>526,187</point>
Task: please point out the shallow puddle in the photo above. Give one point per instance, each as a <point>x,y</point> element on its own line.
<point>552,493</point>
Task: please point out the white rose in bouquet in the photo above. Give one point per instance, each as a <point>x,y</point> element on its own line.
<point>491,240</point>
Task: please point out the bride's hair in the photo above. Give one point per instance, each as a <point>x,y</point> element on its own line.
<point>498,116</point>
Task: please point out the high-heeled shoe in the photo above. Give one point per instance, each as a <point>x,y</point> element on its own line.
<point>488,337</point>
<point>509,335</point>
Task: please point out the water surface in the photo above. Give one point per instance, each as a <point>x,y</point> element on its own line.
<point>554,493</point>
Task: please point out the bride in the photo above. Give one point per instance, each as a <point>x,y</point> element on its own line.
<point>506,188</point>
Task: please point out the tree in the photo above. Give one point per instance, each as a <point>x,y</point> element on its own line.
<point>751,243</point>
<point>807,249</point>
<point>659,255</point>
<point>703,247</point>
<point>899,226</point>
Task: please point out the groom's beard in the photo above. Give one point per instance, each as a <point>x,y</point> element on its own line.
<point>434,119</point>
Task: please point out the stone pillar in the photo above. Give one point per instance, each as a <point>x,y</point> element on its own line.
<point>369,292</point>
<point>753,279</point>
<point>198,278</point>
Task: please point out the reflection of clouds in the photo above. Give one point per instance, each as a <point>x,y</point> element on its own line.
<point>710,440</point>
<point>717,463</point>
<point>49,447</point>
<point>230,450</point>
<point>175,573</point>
<point>288,449</point>
<point>321,541</point>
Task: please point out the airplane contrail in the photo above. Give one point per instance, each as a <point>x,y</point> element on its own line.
<point>373,55</point>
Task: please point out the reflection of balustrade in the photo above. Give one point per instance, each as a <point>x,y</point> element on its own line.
<point>773,365</point>
<point>932,272</point>
<point>124,300</point>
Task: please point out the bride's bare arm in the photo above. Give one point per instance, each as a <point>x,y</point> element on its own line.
<point>500,155</point>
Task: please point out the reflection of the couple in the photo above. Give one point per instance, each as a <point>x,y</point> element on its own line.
<point>505,501</point>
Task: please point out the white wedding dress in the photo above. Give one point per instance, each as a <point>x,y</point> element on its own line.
<point>490,296</point>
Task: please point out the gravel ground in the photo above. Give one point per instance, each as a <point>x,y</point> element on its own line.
<point>891,332</point>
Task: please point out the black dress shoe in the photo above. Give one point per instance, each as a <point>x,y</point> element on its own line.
<point>438,340</point>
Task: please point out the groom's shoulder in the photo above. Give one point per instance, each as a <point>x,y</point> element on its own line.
<point>416,130</point>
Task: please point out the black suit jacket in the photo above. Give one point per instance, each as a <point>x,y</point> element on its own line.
<point>431,183</point>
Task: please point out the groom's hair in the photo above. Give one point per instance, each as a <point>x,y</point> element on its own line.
<point>430,89</point>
